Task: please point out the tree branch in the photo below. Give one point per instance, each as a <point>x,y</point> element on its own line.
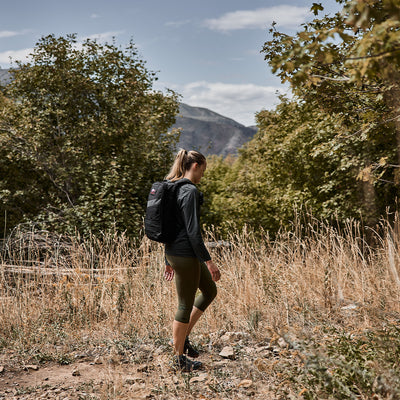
<point>372,56</point>
<point>345,79</point>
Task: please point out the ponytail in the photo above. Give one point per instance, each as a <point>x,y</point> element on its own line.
<point>183,161</point>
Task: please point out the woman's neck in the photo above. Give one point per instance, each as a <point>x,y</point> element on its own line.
<point>189,175</point>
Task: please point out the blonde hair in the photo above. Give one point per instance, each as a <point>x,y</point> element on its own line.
<point>183,161</point>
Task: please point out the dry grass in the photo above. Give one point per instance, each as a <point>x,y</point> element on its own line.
<point>63,296</point>
<point>56,289</point>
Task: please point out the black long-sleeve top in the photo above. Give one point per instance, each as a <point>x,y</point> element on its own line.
<point>189,242</point>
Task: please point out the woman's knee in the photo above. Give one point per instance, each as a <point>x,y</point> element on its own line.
<point>183,314</point>
<point>206,297</point>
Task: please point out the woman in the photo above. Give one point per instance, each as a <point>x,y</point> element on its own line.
<point>188,259</point>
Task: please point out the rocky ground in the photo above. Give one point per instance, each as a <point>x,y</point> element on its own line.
<point>235,367</point>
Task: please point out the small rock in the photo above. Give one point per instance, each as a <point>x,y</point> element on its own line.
<point>33,367</point>
<point>221,363</point>
<point>1,369</point>
<point>230,337</point>
<point>76,372</point>
<point>263,350</point>
<point>282,343</point>
<point>246,383</point>
<point>227,352</point>
<point>98,361</point>
<point>200,378</point>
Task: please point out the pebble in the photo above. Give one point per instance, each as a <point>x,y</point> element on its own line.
<point>282,343</point>
<point>233,336</point>
<point>33,367</point>
<point>227,352</point>
<point>199,378</point>
<point>98,360</point>
<point>221,363</point>
<point>245,383</point>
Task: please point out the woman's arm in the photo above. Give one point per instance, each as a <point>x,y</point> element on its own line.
<point>214,270</point>
<point>189,206</point>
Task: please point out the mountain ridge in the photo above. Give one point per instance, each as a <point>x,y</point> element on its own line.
<point>209,132</point>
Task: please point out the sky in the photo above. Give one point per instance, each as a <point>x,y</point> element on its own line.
<point>207,51</point>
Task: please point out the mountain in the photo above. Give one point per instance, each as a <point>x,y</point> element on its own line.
<point>209,132</point>
<point>5,77</point>
<point>201,129</point>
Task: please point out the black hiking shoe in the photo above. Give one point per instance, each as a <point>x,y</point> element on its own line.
<point>189,349</point>
<point>182,363</point>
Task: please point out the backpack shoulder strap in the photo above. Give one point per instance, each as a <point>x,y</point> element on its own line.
<point>184,181</point>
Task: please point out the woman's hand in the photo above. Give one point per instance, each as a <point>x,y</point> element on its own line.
<point>168,273</point>
<point>214,271</point>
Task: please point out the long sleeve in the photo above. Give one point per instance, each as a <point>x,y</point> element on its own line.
<point>190,212</point>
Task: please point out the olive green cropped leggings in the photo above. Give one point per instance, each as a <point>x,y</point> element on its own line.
<point>190,275</point>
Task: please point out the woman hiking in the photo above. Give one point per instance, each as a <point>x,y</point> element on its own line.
<point>188,259</point>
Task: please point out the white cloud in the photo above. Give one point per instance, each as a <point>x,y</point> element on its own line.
<point>178,24</point>
<point>237,101</point>
<point>8,34</point>
<point>284,15</point>
<point>15,55</point>
<point>94,16</point>
<point>23,54</point>
<point>105,36</point>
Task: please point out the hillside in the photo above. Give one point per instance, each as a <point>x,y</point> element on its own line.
<point>209,132</point>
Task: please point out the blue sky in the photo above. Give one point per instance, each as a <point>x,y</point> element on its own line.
<point>208,51</point>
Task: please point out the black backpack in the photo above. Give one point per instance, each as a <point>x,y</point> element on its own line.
<point>162,211</point>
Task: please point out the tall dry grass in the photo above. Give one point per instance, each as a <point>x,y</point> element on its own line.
<point>56,290</point>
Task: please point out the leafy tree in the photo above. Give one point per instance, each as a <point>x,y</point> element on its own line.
<point>334,148</point>
<point>214,187</point>
<point>22,189</point>
<point>85,133</point>
<point>296,161</point>
<point>348,62</point>
<point>345,66</point>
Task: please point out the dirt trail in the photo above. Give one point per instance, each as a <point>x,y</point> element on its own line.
<point>81,380</point>
<point>245,372</point>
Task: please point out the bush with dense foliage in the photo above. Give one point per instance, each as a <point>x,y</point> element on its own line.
<point>82,136</point>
